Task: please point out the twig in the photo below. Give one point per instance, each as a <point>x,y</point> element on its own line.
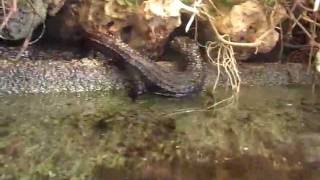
<point>306,18</point>
<point>299,24</point>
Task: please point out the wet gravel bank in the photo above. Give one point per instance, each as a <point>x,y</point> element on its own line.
<point>58,71</point>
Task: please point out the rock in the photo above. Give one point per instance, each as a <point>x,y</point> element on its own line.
<point>28,16</point>
<point>247,22</point>
<point>145,27</point>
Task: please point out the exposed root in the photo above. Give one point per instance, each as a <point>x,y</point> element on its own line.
<point>306,20</point>
<point>225,61</point>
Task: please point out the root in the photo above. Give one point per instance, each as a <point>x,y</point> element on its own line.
<point>224,60</point>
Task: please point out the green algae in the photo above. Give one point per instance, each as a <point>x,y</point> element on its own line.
<point>98,135</point>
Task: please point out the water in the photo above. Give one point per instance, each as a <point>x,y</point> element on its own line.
<point>269,133</point>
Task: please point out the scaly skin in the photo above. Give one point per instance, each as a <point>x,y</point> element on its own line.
<point>173,83</point>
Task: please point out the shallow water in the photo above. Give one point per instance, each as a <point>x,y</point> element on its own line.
<point>269,133</point>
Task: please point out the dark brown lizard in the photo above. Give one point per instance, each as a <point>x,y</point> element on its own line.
<point>171,83</point>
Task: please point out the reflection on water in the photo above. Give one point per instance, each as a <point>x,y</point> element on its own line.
<point>270,133</point>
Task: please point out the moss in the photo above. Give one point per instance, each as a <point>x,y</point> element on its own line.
<point>129,2</point>
<point>269,2</point>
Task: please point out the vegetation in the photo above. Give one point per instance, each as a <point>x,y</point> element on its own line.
<point>300,21</point>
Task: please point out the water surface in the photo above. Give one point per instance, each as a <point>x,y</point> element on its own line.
<point>269,133</point>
